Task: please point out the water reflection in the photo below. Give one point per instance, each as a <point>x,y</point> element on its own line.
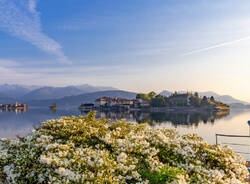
<point>12,123</point>
<point>176,119</point>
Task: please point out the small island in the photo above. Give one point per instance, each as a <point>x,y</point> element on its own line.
<point>13,107</point>
<point>183,102</point>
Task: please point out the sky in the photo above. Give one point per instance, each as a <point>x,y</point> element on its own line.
<point>135,45</point>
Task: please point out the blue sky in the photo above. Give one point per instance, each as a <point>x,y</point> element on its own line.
<point>136,45</point>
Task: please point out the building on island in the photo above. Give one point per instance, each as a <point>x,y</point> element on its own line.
<point>110,102</point>
<point>14,107</point>
<point>115,104</point>
<point>187,101</point>
<point>180,99</point>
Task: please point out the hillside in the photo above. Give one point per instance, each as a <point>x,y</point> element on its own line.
<point>51,93</point>
<point>47,93</point>
<point>6,99</point>
<point>16,90</point>
<point>223,98</point>
<point>239,106</point>
<point>31,92</point>
<point>74,101</point>
<point>86,88</point>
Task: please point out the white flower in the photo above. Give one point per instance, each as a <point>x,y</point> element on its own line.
<point>122,157</point>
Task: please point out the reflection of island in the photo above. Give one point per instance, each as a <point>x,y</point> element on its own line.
<point>12,124</point>
<point>184,118</point>
<point>175,118</point>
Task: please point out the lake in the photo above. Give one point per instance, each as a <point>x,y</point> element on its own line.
<point>205,125</point>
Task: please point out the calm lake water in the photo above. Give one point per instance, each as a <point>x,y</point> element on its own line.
<point>205,125</point>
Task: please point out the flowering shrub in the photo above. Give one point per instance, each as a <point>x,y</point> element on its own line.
<point>88,150</point>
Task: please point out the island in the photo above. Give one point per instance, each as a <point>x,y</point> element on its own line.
<point>183,102</point>
<point>13,107</point>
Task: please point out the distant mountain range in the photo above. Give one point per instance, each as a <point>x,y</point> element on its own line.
<point>239,106</point>
<point>223,98</point>
<point>15,90</point>
<point>46,93</point>
<point>28,93</point>
<point>75,95</point>
<point>75,101</point>
<point>6,98</point>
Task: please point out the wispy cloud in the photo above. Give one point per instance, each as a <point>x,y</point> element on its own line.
<point>10,75</point>
<point>22,20</point>
<point>8,63</point>
<point>216,46</point>
<point>65,75</point>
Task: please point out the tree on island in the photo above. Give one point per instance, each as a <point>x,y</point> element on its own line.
<point>158,101</point>
<point>196,94</point>
<point>212,99</point>
<point>204,101</point>
<point>186,99</point>
<point>144,96</point>
<point>195,100</point>
<point>152,94</point>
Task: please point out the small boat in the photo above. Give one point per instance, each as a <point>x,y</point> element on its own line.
<point>53,107</point>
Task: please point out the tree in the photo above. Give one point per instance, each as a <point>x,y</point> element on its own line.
<point>158,101</point>
<point>142,96</point>
<point>152,94</point>
<point>160,96</point>
<point>196,94</point>
<point>138,96</point>
<point>212,98</point>
<point>204,100</point>
<point>195,101</point>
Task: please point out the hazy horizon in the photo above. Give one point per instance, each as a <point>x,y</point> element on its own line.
<point>131,45</point>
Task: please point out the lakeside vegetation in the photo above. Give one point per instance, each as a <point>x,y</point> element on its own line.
<point>88,150</point>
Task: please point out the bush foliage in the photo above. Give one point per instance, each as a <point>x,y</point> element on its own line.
<point>88,150</point>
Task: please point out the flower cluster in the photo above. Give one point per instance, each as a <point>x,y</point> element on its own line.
<point>88,150</point>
